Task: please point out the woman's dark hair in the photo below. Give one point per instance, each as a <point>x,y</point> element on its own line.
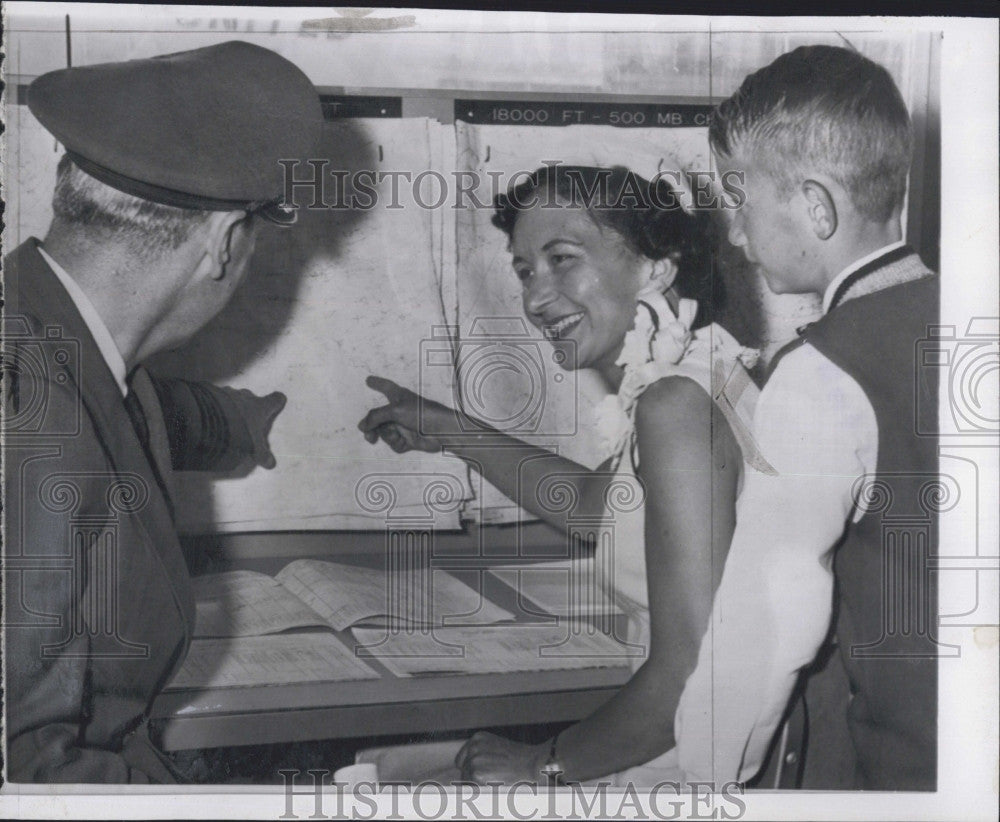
<point>646,214</point>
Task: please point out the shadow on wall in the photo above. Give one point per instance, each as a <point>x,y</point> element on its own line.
<point>261,308</point>
<point>259,311</point>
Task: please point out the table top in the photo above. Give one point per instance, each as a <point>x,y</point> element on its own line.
<point>389,705</point>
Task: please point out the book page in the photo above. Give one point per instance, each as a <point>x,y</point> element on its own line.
<point>245,603</point>
<point>269,660</point>
<point>565,588</point>
<point>492,650</point>
<point>345,594</point>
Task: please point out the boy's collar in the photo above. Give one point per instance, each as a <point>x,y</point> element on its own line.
<point>837,281</point>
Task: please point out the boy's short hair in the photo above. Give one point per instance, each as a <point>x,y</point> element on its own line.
<point>825,108</point>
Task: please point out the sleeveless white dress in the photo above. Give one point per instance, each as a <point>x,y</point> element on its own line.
<point>655,349</point>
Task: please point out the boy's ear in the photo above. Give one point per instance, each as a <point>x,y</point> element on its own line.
<point>821,208</point>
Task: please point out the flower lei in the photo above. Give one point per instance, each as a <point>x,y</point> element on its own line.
<point>658,336</point>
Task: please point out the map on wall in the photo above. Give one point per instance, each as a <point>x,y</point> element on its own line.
<point>344,294</point>
<point>410,292</point>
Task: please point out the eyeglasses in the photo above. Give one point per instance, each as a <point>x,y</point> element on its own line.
<point>274,211</point>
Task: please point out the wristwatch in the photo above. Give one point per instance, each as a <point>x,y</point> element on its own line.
<point>552,770</point>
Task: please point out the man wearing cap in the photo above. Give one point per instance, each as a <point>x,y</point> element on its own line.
<point>170,164</point>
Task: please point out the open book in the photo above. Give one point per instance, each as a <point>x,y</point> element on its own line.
<point>315,593</point>
<point>241,616</point>
<point>269,660</point>
<point>494,649</point>
<point>562,588</point>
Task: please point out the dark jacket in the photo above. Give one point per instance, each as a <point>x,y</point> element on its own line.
<point>98,609</point>
<point>886,590</point>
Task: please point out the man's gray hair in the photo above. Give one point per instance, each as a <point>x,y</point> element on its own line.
<point>82,203</point>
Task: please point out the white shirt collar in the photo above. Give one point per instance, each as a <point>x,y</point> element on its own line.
<point>96,326</point>
<point>831,289</point>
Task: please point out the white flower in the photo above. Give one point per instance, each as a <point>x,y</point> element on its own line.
<point>672,341</point>
<point>748,357</point>
<point>657,335</point>
<point>635,347</point>
<point>614,425</point>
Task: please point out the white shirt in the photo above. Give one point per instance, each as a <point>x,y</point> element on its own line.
<point>95,325</point>
<point>816,427</point>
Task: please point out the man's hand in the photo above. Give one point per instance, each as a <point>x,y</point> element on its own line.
<point>258,413</point>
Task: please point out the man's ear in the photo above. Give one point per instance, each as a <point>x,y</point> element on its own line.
<point>820,208</point>
<point>219,242</point>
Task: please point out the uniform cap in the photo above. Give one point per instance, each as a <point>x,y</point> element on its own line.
<point>201,129</point>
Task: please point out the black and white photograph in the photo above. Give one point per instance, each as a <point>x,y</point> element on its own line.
<point>446,414</point>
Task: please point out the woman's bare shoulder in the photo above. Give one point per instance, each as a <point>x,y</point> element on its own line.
<point>671,397</point>
<point>675,415</point>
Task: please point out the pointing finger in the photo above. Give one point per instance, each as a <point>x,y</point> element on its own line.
<point>276,401</point>
<point>385,386</point>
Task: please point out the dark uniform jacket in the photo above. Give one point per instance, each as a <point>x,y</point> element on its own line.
<point>98,609</point>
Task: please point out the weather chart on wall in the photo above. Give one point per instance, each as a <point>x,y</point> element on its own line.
<point>395,254</point>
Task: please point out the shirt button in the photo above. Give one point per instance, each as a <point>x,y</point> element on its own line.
<point>791,758</point>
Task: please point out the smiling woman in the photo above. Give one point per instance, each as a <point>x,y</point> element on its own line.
<point>606,260</point>
<point>585,240</point>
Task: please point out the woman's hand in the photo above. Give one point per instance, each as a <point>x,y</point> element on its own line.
<point>408,421</point>
<point>489,758</point>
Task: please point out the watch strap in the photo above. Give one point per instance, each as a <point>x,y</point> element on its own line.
<point>552,770</point>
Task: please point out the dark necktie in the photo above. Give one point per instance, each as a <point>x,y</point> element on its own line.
<point>138,417</point>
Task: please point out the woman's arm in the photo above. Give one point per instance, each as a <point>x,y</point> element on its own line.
<point>689,464</point>
<point>518,470</point>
